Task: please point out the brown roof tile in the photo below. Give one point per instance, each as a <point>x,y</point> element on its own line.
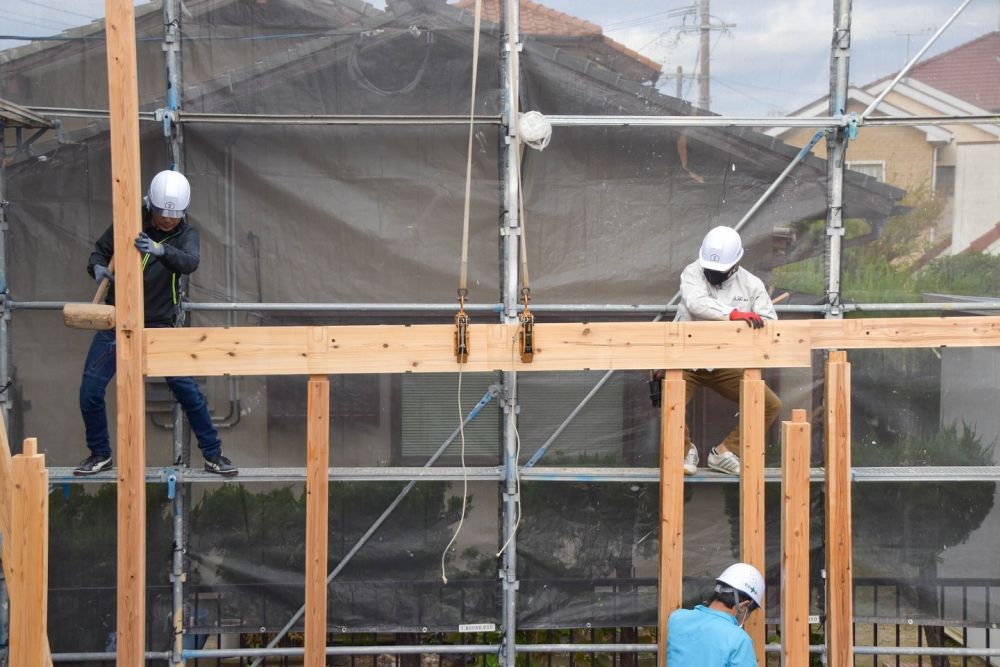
<point>539,20</point>
<point>970,72</point>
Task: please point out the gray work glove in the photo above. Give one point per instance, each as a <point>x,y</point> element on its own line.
<point>101,272</point>
<point>148,245</point>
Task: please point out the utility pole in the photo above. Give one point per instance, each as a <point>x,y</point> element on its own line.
<point>704,67</point>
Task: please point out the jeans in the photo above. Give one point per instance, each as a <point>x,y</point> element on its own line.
<point>97,373</point>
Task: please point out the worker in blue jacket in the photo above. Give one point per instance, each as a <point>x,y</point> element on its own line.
<point>712,635</point>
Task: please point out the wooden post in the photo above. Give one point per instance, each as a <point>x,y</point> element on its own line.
<point>126,197</point>
<point>671,503</point>
<point>795,540</point>
<point>839,575</point>
<point>29,556</point>
<point>317,509</point>
<point>6,498</point>
<point>752,432</point>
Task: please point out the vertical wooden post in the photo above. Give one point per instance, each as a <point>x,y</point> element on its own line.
<point>6,499</point>
<point>671,503</point>
<point>752,432</point>
<point>839,574</point>
<point>317,509</point>
<point>795,436</point>
<point>126,196</point>
<point>29,514</point>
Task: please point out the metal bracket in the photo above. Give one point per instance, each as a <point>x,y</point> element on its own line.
<point>169,118</point>
<point>510,231</point>
<point>462,337</point>
<point>853,122</point>
<point>836,231</point>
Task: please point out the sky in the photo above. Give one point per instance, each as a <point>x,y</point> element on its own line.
<point>767,58</point>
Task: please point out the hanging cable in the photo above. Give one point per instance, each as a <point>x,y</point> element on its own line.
<point>462,318</point>
<point>465,480</point>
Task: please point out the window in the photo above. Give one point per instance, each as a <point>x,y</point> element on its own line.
<point>873,168</point>
<point>944,180</point>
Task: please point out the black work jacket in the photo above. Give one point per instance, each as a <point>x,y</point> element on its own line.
<point>160,275</point>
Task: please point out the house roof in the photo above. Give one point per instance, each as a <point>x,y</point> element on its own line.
<point>970,71</point>
<point>544,22</point>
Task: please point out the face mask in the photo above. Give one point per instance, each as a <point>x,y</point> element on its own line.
<point>716,278</point>
<point>743,618</point>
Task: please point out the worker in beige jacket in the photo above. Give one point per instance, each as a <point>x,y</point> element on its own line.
<point>716,287</point>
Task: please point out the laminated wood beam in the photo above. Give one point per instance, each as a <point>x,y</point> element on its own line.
<point>671,503</point>
<point>126,197</point>
<point>29,554</point>
<point>752,432</point>
<point>6,497</point>
<point>559,346</point>
<point>317,512</point>
<point>795,439</point>
<point>839,568</point>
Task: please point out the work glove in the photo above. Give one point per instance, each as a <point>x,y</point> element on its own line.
<point>101,272</point>
<point>751,318</point>
<point>656,388</point>
<point>148,245</point>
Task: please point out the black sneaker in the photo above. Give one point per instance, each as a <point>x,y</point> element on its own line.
<point>93,465</point>
<point>221,465</point>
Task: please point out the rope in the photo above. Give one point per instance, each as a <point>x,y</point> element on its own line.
<point>465,480</point>
<point>463,280</point>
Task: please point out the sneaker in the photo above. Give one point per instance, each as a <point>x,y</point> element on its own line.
<point>728,463</point>
<point>93,465</point>
<point>221,465</point>
<point>691,461</point>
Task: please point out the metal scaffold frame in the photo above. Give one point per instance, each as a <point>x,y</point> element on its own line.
<point>508,475</point>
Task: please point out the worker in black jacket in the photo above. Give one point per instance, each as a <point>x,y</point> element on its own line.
<point>170,249</point>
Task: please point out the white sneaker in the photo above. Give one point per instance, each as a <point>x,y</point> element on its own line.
<point>691,461</point>
<point>728,463</point>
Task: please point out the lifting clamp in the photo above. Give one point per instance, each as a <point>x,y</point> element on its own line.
<point>462,329</point>
<point>527,330</point>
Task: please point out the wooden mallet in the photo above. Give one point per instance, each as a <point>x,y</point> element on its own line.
<point>93,315</point>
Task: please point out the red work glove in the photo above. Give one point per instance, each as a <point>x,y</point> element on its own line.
<point>752,319</point>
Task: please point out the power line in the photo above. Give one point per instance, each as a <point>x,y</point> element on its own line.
<point>650,18</point>
<point>58,9</point>
<point>36,25</point>
<point>56,22</point>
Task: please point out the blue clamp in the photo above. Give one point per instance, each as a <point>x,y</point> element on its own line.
<point>852,126</point>
<point>171,484</point>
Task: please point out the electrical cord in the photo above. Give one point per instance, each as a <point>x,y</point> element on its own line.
<point>465,479</point>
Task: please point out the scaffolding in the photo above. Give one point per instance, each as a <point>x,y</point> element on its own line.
<point>837,127</point>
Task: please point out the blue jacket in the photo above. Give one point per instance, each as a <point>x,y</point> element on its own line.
<point>703,637</point>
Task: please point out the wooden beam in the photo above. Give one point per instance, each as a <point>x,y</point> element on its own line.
<point>6,497</point>
<point>671,502</point>
<point>567,346</point>
<point>839,567</point>
<point>795,446</point>
<point>30,557</point>
<point>317,511</point>
<point>905,332</point>
<point>752,432</point>
<point>126,197</point>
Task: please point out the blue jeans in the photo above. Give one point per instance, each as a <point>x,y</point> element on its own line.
<point>97,373</point>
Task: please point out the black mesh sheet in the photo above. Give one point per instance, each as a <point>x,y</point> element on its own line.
<point>247,555</point>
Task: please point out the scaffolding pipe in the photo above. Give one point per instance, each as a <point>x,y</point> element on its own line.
<point>4,291</point>
<point>510,178</point>
<point>913,61</point>
<point>836,150</point>
<point>261,653</point>
<point>473,413</point>
<point>364,309</point>
<point>108,656</point>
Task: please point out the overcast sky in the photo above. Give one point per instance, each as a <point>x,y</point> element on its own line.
<point>768,58</point>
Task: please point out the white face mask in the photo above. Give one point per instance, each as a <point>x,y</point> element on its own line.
<point>746,613</point>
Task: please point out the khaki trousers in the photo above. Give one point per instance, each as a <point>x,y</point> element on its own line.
<point>726,383</point>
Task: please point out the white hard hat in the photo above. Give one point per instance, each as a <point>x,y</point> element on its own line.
<point>535,129</point>
<point>170,194</point>
<point>721,250</point>
<point>744,577</point>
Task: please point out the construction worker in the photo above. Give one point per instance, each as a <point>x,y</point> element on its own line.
<point>170,248</point>
<point>712,634</point>
<point>716,287</point>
